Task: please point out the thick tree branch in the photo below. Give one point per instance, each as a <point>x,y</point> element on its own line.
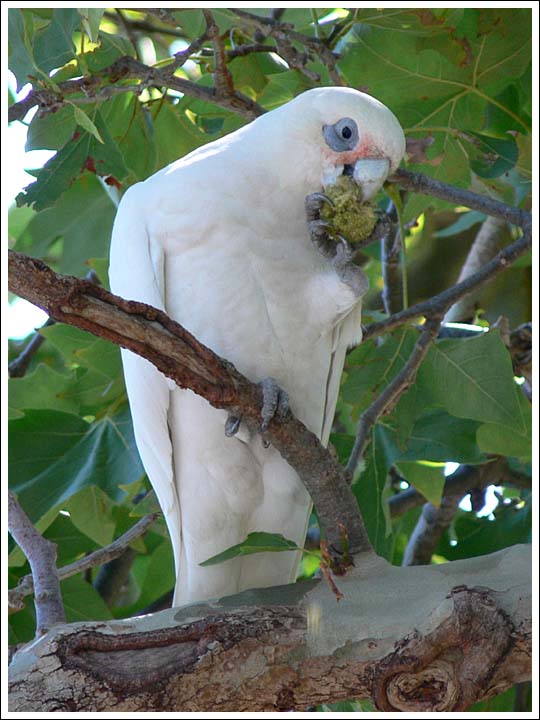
<point>18,366</point>
<point>25,585</point>
<point>153,335</point>
<point>440,303</point>
<point>427,638</point>
<point>41,555</point>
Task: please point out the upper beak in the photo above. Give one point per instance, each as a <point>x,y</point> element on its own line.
<point>370,174</point>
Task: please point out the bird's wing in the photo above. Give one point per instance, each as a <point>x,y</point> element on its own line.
<point>346,333</point>
<point>136,272</point>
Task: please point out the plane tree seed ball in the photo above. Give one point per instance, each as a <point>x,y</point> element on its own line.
<point>348,216</point>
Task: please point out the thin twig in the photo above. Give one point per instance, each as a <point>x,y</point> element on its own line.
<point>223,81</point>
<point>41,555</point>
<point>387,399</point>
<point>18,366</point>
<point>25,585</point>
<point>180,58</point>
<point>440,303</point>
<point>425,185</point>
<point>392,294</point>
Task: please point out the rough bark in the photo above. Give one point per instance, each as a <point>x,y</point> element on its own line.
<point>430,638</point>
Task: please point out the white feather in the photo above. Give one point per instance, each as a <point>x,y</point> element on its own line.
<point>219,241</point>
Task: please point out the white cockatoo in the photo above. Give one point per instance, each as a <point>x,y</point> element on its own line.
<point>219,240</point>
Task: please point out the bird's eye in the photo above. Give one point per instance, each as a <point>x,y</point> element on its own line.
<point>342,135</point>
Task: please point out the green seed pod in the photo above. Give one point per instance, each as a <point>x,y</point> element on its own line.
<point>348,217</point>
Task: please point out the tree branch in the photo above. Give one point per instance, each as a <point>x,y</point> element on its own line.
<point>393,391</point>
<point>25,585</point>
<point>487,243</point>
<point>153,335</point>
<point>434,521</point>
<point>125,68</point>
<point>410,640</point>
<point>392,294</point>
<point>462,482</point>
<point>440,303</point>
<point>425,185</point>
<point>41,555</point>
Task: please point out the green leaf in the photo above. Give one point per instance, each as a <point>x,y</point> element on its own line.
<point>482,535</point>
<point>53,46</point>
<point>440,437</point>
<point>82,602</point>
<point>371,366</point>
<point>43,388</point>
<point>82,119</point>
<point>91,19</point>
<point>149,504</point>
<point>470,378</point>
<point>370,489</point>
<point>71,543</point>
<point>427,479</point>
<point>82,218</point>
<point>504,440</point>
<point>91,511</point>
<point>155,573</point>
<point>82,150</point>
<point>492,156</point>
<point>20,31</point>
<point>255,542</point>
<point>97,378</point>
<point>52,131</point>
<point>465,221</point>
<point>69,454</point>
<point>435,84</point>
<point>111,47</point>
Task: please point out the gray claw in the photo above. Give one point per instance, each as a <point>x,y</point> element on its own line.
<point>318,228</point>
<point>314,203</point>
<point>344,252</point>
<point>275,402</point>
<point>232,425</point>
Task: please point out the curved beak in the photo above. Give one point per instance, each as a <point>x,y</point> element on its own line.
<point>370,174</point>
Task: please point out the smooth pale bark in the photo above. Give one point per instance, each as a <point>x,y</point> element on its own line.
<point>436,637</point>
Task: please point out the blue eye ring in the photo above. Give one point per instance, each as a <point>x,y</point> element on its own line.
<point>342,136</point>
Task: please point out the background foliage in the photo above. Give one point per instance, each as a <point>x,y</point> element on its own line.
<point>459,81</point>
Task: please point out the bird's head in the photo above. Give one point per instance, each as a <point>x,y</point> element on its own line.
<point>337,130</point>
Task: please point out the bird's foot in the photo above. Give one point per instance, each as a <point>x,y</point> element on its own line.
<point>275,402</point>
<point>335,248</point>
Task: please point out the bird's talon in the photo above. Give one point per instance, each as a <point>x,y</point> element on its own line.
<point>232,425</point>
<point>318,228</point>
<point>275,402</point>
<point>314,203</point>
